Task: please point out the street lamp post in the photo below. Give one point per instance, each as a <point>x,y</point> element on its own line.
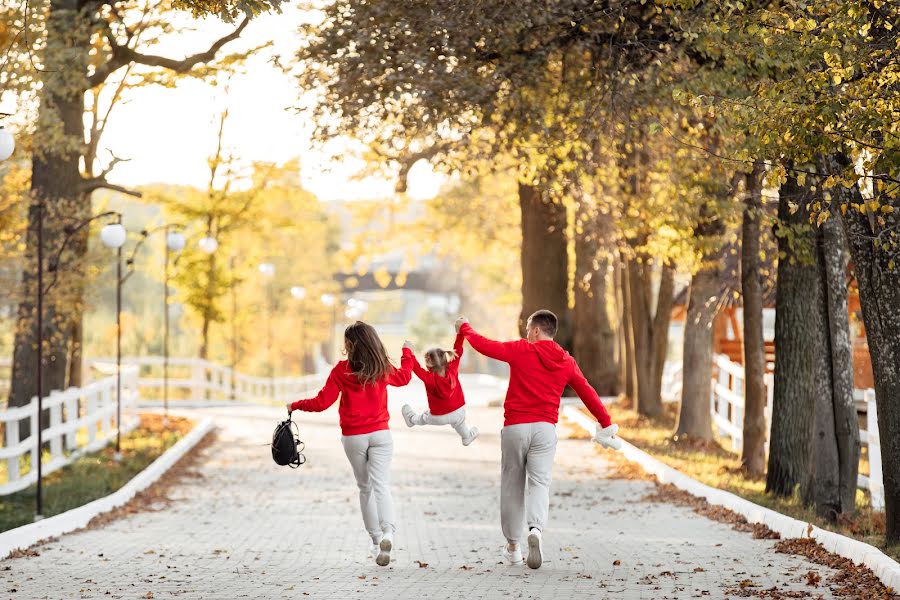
<point>299,294</point>
<point>330,301</point>
<point>114,236</point>
<point>267,270</point>
<point>175,242</point>
<point>53,267</point>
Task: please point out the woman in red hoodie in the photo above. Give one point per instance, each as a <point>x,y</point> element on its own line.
<point>446,403</point>
<point>361,382</point>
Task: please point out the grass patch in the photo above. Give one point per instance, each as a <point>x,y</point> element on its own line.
<point>95,475</point>
<point>710,463</point>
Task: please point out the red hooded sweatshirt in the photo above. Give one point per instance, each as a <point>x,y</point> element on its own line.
<point>363,408</point>
<point>444,392</point>
<point>538,374</point>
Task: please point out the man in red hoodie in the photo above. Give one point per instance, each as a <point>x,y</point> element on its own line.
<point>539,371</point>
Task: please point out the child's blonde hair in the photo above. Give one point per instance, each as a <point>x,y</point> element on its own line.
<point>437,359</point>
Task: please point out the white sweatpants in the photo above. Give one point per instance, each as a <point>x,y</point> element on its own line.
<point>370,456</point>
<point>456,419</point>
<point>528,451</point>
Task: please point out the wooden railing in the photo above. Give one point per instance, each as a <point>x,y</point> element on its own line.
<point>79,421</point>
<point>726,406</point>
<point>197,379</point>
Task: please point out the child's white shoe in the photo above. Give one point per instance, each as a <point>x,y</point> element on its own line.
<point>535,551</point>
<point>373,550</point>
<point>513,557</point>
<point>473,433</point>
<point>408,414</point>
<point>385,547</point>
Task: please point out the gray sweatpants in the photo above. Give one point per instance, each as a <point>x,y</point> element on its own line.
<point>456,419</point>
<point>528,451</point>
<point>370,456</point>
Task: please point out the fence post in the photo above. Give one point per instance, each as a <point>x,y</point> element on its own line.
<point>71,417</point>
<point>12,440</point>
<point>55,420</point>
<point>876,478</point>
<point>35,422</point>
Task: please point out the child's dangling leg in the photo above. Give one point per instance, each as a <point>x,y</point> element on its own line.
<point>468,434</point>
<point>411,418</point>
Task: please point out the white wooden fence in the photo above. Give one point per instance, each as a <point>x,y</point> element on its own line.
<point>196,379</point>
<point>81,420</point>
<point>726,405</point>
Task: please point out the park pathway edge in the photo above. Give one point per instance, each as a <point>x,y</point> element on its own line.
<point>886,569</point>
<point>26,536</point>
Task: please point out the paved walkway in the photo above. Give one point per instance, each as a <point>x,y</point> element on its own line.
<point>249,529</point>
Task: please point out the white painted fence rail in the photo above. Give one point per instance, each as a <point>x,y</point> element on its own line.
<point>81,420</point>
<point>726,406</point>
<point>197,379</point>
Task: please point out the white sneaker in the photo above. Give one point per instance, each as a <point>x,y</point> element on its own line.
<point>473,433</point>
<point>535,553</point>
<point>385,547</point>
<point>513,557</point>
<point>373,550</point>
<point>408,414</point>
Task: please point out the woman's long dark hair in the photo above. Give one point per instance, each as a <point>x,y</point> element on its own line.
<point>366,354</point>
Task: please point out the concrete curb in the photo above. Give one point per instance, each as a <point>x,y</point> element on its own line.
<point>886,569</point>
<point>78,518</point>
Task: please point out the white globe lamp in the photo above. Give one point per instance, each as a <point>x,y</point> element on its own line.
<point>175,241</point>
<point>208,244</point>
<point>267,269</point>
<point>298,292</point>
<point>113,235</point>
<point>7,144</point>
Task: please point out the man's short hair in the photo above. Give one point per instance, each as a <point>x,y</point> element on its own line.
<point>546,321</point>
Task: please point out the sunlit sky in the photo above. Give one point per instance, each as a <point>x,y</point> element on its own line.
<point>169,133</point>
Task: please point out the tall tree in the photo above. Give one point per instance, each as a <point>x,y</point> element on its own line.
<point>85,44</point>
<point>753,450</point>
<point>797,329</point>
<point>595,341</point>
<point>545,260</point>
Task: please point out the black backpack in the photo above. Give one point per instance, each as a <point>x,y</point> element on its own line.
<point>287,448</point>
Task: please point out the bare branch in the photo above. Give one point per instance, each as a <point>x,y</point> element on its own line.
<point>97,183</point>
<point>123,55</point>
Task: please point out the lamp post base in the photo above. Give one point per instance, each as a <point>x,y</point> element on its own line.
<point>38,518</point>
<point>117,457</point>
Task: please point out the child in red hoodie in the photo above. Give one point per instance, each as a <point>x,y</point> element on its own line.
<point>539,370</point>
<point>446,402</point>
<point>361,382</point>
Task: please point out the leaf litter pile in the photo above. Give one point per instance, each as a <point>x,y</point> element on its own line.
<point>849,580</point>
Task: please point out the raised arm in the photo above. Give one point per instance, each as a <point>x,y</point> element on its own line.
<point>327,396</point>
<point>458,343</point>
<point>402,376</point>
<point>589,396</point>
<point>490,348</point>
<point>423,374</point>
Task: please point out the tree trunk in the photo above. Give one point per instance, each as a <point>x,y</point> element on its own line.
<point>55,182</point>
<point>594,342</point>
<point>797,298</point>
<point>650,330</point>
<point>821,486</point>
<point>545,261</point>
<point>846,425</point>
<point>694,419</point>
<point>753,452</point>
<point>628,373</point>
<point>879,287</point>
<point>76,353</point>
